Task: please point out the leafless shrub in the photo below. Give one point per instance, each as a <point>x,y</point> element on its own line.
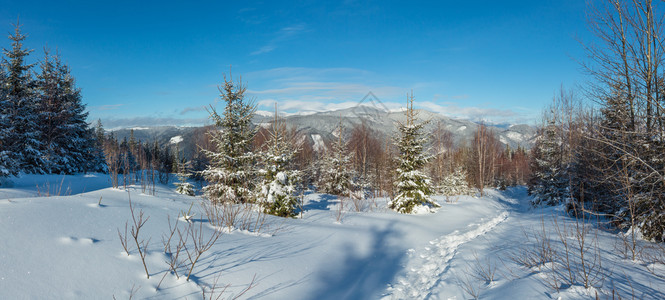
<point>132,292</point>
<point>469,285</point>
<point>590,263</point>
<point>483,270</point>
<point>166,239</point>
<point>358,201</point>
<point>576,259</point>
<point>567,251</point>
<point>57,191</point>
<point>572,258</point>
<point>174,262</point>
<point>123,239</point>
<point>509,269</point>
<point>537,250</point>
<point>201,244</point>
<point>138,223</point>
<point>212,292</point>
<point>239,216</point>
<point>339,213</point>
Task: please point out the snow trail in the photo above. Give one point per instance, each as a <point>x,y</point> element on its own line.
<point>433,262</point>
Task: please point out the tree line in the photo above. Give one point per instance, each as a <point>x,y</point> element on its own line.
<point>245,163</point>
<point>607,157</point>
<point>43,127</point>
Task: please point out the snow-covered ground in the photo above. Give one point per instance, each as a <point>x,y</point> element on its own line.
<point>67,246</point>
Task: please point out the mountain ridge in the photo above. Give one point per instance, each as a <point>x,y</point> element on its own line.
<point>323,124</point>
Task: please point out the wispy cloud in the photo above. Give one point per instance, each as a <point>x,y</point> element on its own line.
<point>264,49</point>
<point>118,123</point>
<point>304,106</point>
<point>491,115</point>
<point>187,110</point>
<point>319,86</point>
<point>302,90</point>
<point>284,34</point>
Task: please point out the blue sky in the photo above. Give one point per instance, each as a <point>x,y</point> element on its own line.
<point>159,63</point>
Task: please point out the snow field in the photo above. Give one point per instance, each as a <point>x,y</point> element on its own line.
<point>429,264</point>
<point>67,247</point>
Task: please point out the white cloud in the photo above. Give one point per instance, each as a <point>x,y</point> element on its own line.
<point>284,34</point>
<point>314,89</point>
<point>490,115</point>
<point>322,89</point>
<point>187,110</point>
<point>118,123</point>
<point>264,49</point>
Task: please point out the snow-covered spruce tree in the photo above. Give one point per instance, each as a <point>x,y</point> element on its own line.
<point>413,186</point>
<point>549,183</point>
<point>8,165</point>
<point>23,142</point>
<point>455,184</point>
<point>67,141</point>
<point>230,173</point>
<point>612,174</point>
<point>336,173</point>
<point>280,184</point>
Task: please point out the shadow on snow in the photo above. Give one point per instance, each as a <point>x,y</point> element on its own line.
<point>362,276</point>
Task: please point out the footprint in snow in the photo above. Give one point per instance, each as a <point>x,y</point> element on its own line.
<point>81,241</point>
<point>434,261</point>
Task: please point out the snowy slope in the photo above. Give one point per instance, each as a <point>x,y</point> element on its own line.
<point>67,246</point>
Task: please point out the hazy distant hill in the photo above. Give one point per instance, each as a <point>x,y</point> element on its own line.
<point>324,124</point>
<point>320,127</point>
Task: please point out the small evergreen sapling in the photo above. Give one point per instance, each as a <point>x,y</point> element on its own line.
<point>182,186</point>
<point>336,169</point>
<point>278,189</point>
<point>455,184</point>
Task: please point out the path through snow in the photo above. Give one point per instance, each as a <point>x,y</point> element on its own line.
<point>428,267</point>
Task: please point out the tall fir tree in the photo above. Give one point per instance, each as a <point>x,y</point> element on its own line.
<point>413,186</point>
<point>230,173</point>
<point>549,183</point>
<point>8,164</point>
<point>281,182</point>
<point>68,142</point>
<point>610,166</point>
<point>98,163</point>
<point>336,172</point>
<point>22,104</point>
